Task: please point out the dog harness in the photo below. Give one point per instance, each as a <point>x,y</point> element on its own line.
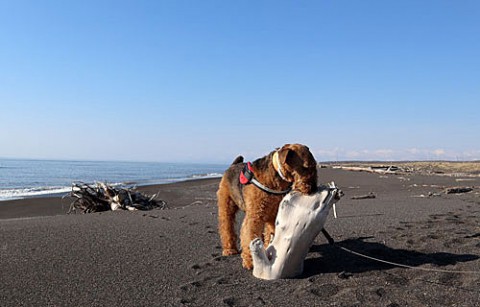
<point>247,177</point>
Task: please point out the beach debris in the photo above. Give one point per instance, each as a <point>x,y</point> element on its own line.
<point>419,196</point>
<point>103,197</point>
<point>380,169</point>
<point>367,196</point>
<point>458,190</point>
<point>430,194</point>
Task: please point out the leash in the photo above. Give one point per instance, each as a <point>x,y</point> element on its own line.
<point>331,241</point>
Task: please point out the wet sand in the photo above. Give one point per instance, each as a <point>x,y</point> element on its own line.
<point>172,257</point>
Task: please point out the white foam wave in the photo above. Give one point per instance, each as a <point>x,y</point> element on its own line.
<point>11,194</point>
<point>208,175</point>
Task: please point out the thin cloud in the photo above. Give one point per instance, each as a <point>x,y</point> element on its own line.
<point>385,154</point>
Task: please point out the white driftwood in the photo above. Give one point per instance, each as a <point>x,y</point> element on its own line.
<point>299,220</point>
<point>391,169</point>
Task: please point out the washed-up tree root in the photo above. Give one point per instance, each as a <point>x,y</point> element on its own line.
<point>100,196</point>
<point>300,219</point>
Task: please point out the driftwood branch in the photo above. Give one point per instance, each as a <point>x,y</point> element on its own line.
<point>103,197</point>
<point>300,219</point>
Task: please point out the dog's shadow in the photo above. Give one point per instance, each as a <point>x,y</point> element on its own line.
<point>335,260</point>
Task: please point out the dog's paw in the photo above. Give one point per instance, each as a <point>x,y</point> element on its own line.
<point>247,264</point>
<point>229,252</point>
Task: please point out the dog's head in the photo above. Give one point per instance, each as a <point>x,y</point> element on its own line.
<point>299,167</point>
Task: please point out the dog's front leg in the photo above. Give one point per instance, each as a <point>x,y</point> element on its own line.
<point>269,232</point>
<point>252,228</point>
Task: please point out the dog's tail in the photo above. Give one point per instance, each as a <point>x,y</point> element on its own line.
<point>237,160</point>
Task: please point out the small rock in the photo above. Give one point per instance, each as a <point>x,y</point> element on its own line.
<point>380,292</point>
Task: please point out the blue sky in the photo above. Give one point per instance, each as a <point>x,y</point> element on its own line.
<point>204,81</point>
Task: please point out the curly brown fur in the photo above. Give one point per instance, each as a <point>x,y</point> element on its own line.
<point>300,171</point>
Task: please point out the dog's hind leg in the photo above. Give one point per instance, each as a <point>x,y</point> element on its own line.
<point>227,210</point>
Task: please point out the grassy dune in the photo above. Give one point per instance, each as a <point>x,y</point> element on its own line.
<point>425,167</point>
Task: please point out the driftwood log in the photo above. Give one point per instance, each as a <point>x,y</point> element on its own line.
<point>103,197</point>
<point>367,196</point>
<point>299,220</point>
<point>458,190</point>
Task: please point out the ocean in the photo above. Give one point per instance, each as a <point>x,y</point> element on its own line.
<point>34,178</point>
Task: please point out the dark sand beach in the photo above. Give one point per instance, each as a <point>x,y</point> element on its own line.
<point>172,257</point>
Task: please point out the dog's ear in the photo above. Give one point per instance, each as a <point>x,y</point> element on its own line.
<point>288,156</point>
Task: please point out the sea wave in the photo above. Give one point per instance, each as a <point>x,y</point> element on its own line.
<point>11,194</point>
<point>208,175</point>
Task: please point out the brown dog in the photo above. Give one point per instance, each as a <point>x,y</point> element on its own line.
<point>290,167</point>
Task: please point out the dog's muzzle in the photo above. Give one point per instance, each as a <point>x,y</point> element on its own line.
<point>305,188</point>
